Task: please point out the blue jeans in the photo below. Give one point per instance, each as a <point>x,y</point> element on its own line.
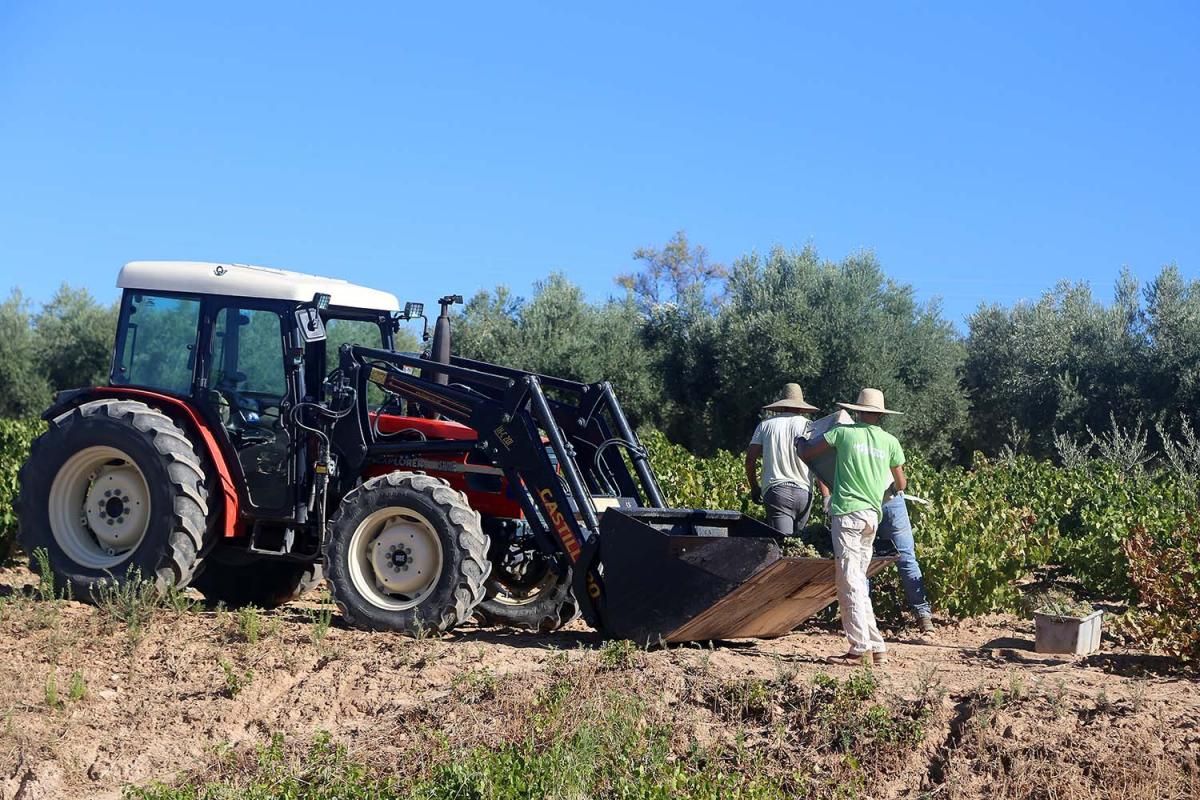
<point>895,537</point>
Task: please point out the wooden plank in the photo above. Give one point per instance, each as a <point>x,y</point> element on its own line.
<point>771,603</point>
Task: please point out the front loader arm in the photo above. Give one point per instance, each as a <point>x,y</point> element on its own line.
<point>593,423</point>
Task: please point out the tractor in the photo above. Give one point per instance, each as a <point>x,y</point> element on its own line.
<point>260,433</point>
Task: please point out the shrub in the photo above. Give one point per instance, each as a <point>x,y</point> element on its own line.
<point>1165,568</point>
<point>15,438</point>
<point>1100,509</point>
<point>689,481</point>
<point>973,542</point>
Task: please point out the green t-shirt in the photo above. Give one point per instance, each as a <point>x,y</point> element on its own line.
<point>865,457</point>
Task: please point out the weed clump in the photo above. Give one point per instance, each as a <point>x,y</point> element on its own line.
<point>475,685</point>
<point>52,699</point>
<point>320,620</point>
<point>78,687</point>
<point>618,654</point>
<point>235,679</point>
<point>135,601</point>
<point>249,624</point>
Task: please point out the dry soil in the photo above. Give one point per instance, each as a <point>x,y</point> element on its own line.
<point>164,702</point>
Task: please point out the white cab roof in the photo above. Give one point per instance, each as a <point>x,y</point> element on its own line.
<point>243,280</point>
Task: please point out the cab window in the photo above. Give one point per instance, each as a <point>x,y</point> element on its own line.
<point>368,333</point>
<point>156,344</point>
<point>351,331</point>
<point>247,353</point>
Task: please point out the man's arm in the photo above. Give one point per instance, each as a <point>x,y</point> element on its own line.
<point>899,480</point>
<point>810,450</point>
<point>753,454</point>
<point>826,495</point>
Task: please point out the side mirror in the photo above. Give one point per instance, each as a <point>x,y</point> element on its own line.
<point>312,327</point>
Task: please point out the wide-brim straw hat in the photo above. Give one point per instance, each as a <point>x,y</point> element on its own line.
<point>792,400</point>
<point>870,400</point>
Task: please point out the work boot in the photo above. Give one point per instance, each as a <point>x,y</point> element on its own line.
<point>852,659</point>
<point>925,624</point>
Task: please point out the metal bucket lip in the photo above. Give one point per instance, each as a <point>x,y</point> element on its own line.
<point>770,603</point>
<point>674,586</point>
<point>646,512</point>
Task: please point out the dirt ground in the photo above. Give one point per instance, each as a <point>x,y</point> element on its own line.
<point>165,702</point>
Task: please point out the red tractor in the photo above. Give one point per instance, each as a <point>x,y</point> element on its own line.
<point>259,433</point>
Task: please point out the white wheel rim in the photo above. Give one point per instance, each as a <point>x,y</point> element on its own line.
<point>395,558</point>
<point>99,507</point>
<point>520,596</point>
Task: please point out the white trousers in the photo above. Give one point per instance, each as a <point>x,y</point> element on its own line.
<point>853,540</point>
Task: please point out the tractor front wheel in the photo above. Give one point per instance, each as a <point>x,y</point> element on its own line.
<point>526,589</point>
<point>114,488</point>
<point>406,553</point>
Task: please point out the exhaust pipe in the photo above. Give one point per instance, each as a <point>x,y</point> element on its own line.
<point>439,350</point>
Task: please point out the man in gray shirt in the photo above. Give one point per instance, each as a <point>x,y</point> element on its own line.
<point>786,486</point>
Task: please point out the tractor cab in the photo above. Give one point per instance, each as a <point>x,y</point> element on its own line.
<point>242,346</point>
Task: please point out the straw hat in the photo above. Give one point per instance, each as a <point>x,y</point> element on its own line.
<point>870,400</point>
<point>792,400</point>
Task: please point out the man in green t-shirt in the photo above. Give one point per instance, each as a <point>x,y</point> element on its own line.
<point>869,460</point>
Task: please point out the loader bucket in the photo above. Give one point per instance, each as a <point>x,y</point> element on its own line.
<point>682,575</point>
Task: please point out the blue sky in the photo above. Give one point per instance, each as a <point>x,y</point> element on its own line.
<point>983,151</point>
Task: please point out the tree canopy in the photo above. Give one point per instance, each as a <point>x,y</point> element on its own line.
<point>1068,364</point>
<point>700,364</point>
<point>695,348</point>
<point>67,343</point>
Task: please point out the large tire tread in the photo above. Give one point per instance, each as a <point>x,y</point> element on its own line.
<point>182,464</point>
<point>469,587</point>
<point>558,607</point>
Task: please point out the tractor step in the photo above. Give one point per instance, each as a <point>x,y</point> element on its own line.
<point>272,539</point>
<point>682,575</point>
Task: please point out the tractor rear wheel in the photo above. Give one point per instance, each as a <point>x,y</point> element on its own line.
<point>114,488</point>
<point>406,553</point>
<point>240,581</point>
<point>526,588</point>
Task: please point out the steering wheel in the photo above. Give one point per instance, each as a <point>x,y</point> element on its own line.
<point>241,425</point>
